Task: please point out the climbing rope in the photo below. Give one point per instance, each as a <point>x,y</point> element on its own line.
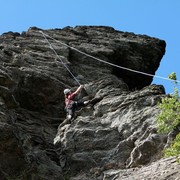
<point>111,64</point>
<point>60,59</point>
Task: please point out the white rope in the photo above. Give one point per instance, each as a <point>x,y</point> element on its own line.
<point>60,59</point>
<point>111,64</point>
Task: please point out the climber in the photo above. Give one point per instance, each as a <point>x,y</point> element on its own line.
<point>71,104</point>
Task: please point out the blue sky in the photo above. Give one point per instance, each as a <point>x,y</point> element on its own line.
<point>155,18</point>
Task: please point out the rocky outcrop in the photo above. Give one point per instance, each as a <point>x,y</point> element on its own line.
<point>162,169</point>
<point>113,135</point>
<point>119,131</point>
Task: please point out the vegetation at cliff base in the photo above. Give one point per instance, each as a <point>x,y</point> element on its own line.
<point>169,117</point>
<point>174,149</point>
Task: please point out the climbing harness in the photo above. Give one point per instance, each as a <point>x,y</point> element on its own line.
<point>100,60</point>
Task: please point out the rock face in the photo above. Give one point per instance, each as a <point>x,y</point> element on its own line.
<point>114,137</point>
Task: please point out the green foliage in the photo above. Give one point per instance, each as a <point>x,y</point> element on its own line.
<point>174,149</point>
<point>169,117</point>
<point>173,77</point>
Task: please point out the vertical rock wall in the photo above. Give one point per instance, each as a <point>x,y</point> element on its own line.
<point>115,131</point>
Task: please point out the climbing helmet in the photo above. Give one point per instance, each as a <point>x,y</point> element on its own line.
<point>66,91</point>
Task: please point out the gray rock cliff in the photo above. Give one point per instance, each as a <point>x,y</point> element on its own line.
<point>114,137</point>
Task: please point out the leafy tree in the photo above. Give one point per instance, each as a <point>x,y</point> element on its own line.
<point>169,117</point>
<point>173,77</point>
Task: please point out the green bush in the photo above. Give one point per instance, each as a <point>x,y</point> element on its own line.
<point>174,149</point>
<point>169,118</point>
